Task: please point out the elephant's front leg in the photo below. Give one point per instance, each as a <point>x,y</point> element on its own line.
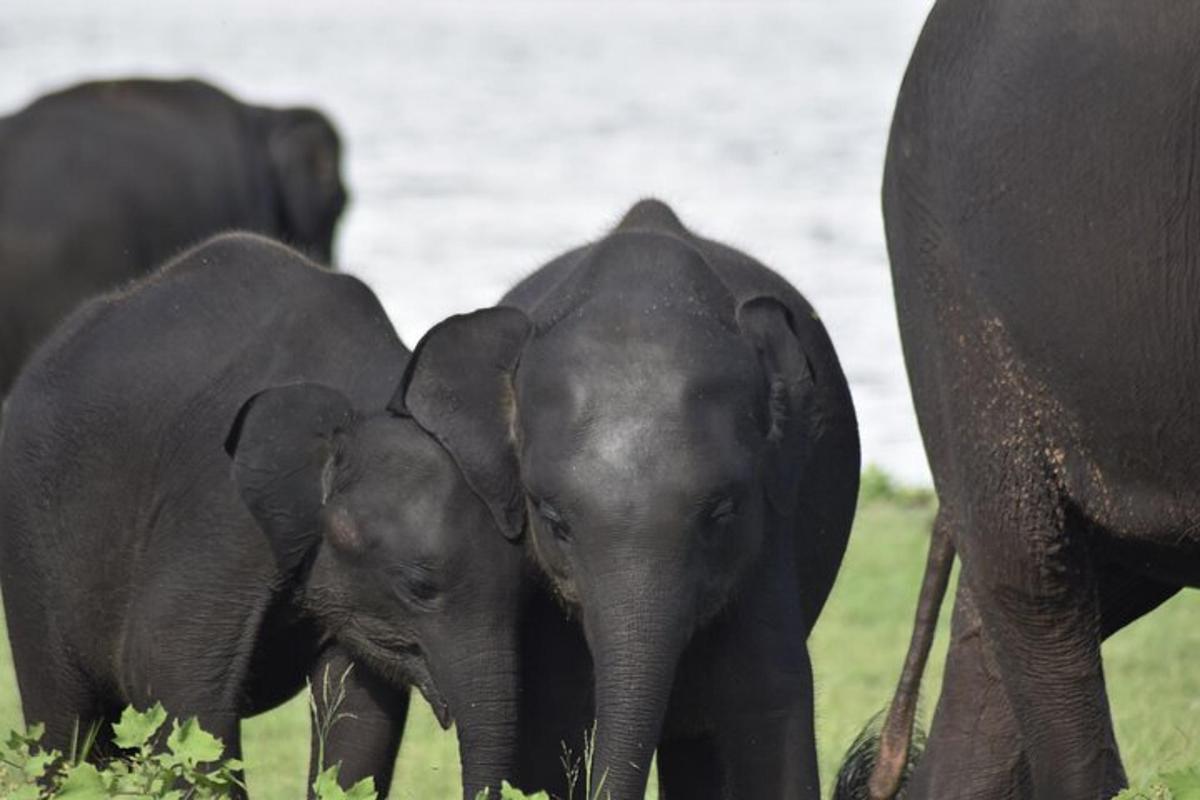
<point>366,739</point>
<point>754,684</point>
<point>769,749</point>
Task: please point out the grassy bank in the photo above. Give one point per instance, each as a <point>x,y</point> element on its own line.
<point>857,649</point>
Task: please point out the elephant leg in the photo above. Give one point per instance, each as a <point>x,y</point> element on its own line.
<point>1037,591</point>
<point>65,704</point>
<point>689,768</point>
<point>761,696</point>
<point>227,726</point>
<point>556,699</point>
<point>771,755</point>
<point>185,673</point>
<point>974,746</point>
<point>214,718</point>
<point>365,741</point>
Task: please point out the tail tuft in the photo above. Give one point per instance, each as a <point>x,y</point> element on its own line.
<point>858,763</point>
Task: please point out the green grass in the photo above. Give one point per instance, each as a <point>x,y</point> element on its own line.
<point>857,648</point>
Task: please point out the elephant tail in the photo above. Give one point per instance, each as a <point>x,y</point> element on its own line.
<point>880,760</point>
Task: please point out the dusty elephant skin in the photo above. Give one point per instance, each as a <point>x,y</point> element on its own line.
<point>1041,206</point>
<point>679,444</point>
<point>205,498</point>
<point>101,182</point>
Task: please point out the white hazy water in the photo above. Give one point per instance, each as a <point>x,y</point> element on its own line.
<point>484,138</point>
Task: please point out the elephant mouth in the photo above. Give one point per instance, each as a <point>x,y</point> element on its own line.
<point>406,665</point>
<point>437,701</point>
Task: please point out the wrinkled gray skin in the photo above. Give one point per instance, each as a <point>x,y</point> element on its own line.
<point>679,442</point>
<point>1041,206</point>
<point>101,182</point>
<point>141,560</point>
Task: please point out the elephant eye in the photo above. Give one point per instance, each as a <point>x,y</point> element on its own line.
<point>554,520</point>
<point>417,582</point>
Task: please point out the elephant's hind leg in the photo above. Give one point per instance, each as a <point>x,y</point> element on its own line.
<point>1030,569</point>
<point>974,746</point>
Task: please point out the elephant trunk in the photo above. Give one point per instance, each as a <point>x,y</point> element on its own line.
<point>636,644</point>
<point>485,700</point>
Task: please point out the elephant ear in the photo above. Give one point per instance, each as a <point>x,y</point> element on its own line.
<point>282,446</point>
<point>304,151</point>
<point>459,387</point>
<point>768,325</point>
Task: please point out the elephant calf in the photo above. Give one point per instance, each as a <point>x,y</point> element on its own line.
<point>210,489</point>
<point>671,426</point>
<point>103,181</point>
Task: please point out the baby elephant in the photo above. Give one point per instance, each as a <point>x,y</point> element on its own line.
<point>210,490</point>
<point>680,443</point>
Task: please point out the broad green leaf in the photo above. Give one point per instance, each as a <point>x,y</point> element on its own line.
<point>363,790</point>
<point>192,745</point>
<point>508,792</point>
<point>27,792</point>
<point>83,782</point>
<point>326,786</point>
<point>17,742</point>
<point>37,765</point>
<point>137,727</point>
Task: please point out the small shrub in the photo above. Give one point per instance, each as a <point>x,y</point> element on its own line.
<point>188,767</point>
<point>160,762</point>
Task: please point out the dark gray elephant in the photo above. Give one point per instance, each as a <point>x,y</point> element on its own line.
<point>103,181</point>
<point>680,443</point>
<point>1041,206</point>
<point>138,566</point>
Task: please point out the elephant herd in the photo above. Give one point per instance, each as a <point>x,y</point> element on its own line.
<point>617,500</point>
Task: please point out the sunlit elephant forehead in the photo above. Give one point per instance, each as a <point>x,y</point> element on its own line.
<point>640,378</point>
<point>632,418</point>
<point>638,460</point>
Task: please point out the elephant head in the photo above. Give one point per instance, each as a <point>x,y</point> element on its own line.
<point>393,553</point>
<point>642,441</point>
<point>304,153</point>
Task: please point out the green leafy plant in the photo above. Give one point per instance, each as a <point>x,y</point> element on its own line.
<point>188,767</point>
<point>179,761</point>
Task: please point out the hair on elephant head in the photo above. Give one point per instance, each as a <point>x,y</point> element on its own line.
<point>304,151</point>
<point>393,553</point>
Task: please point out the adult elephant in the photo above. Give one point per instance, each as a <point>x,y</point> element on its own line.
<point>209,491</point>
<point>1044,229</point>
<point>101,182</point>
<point>680,441</point>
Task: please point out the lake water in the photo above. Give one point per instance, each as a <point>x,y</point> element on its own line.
<point>484,138</point>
